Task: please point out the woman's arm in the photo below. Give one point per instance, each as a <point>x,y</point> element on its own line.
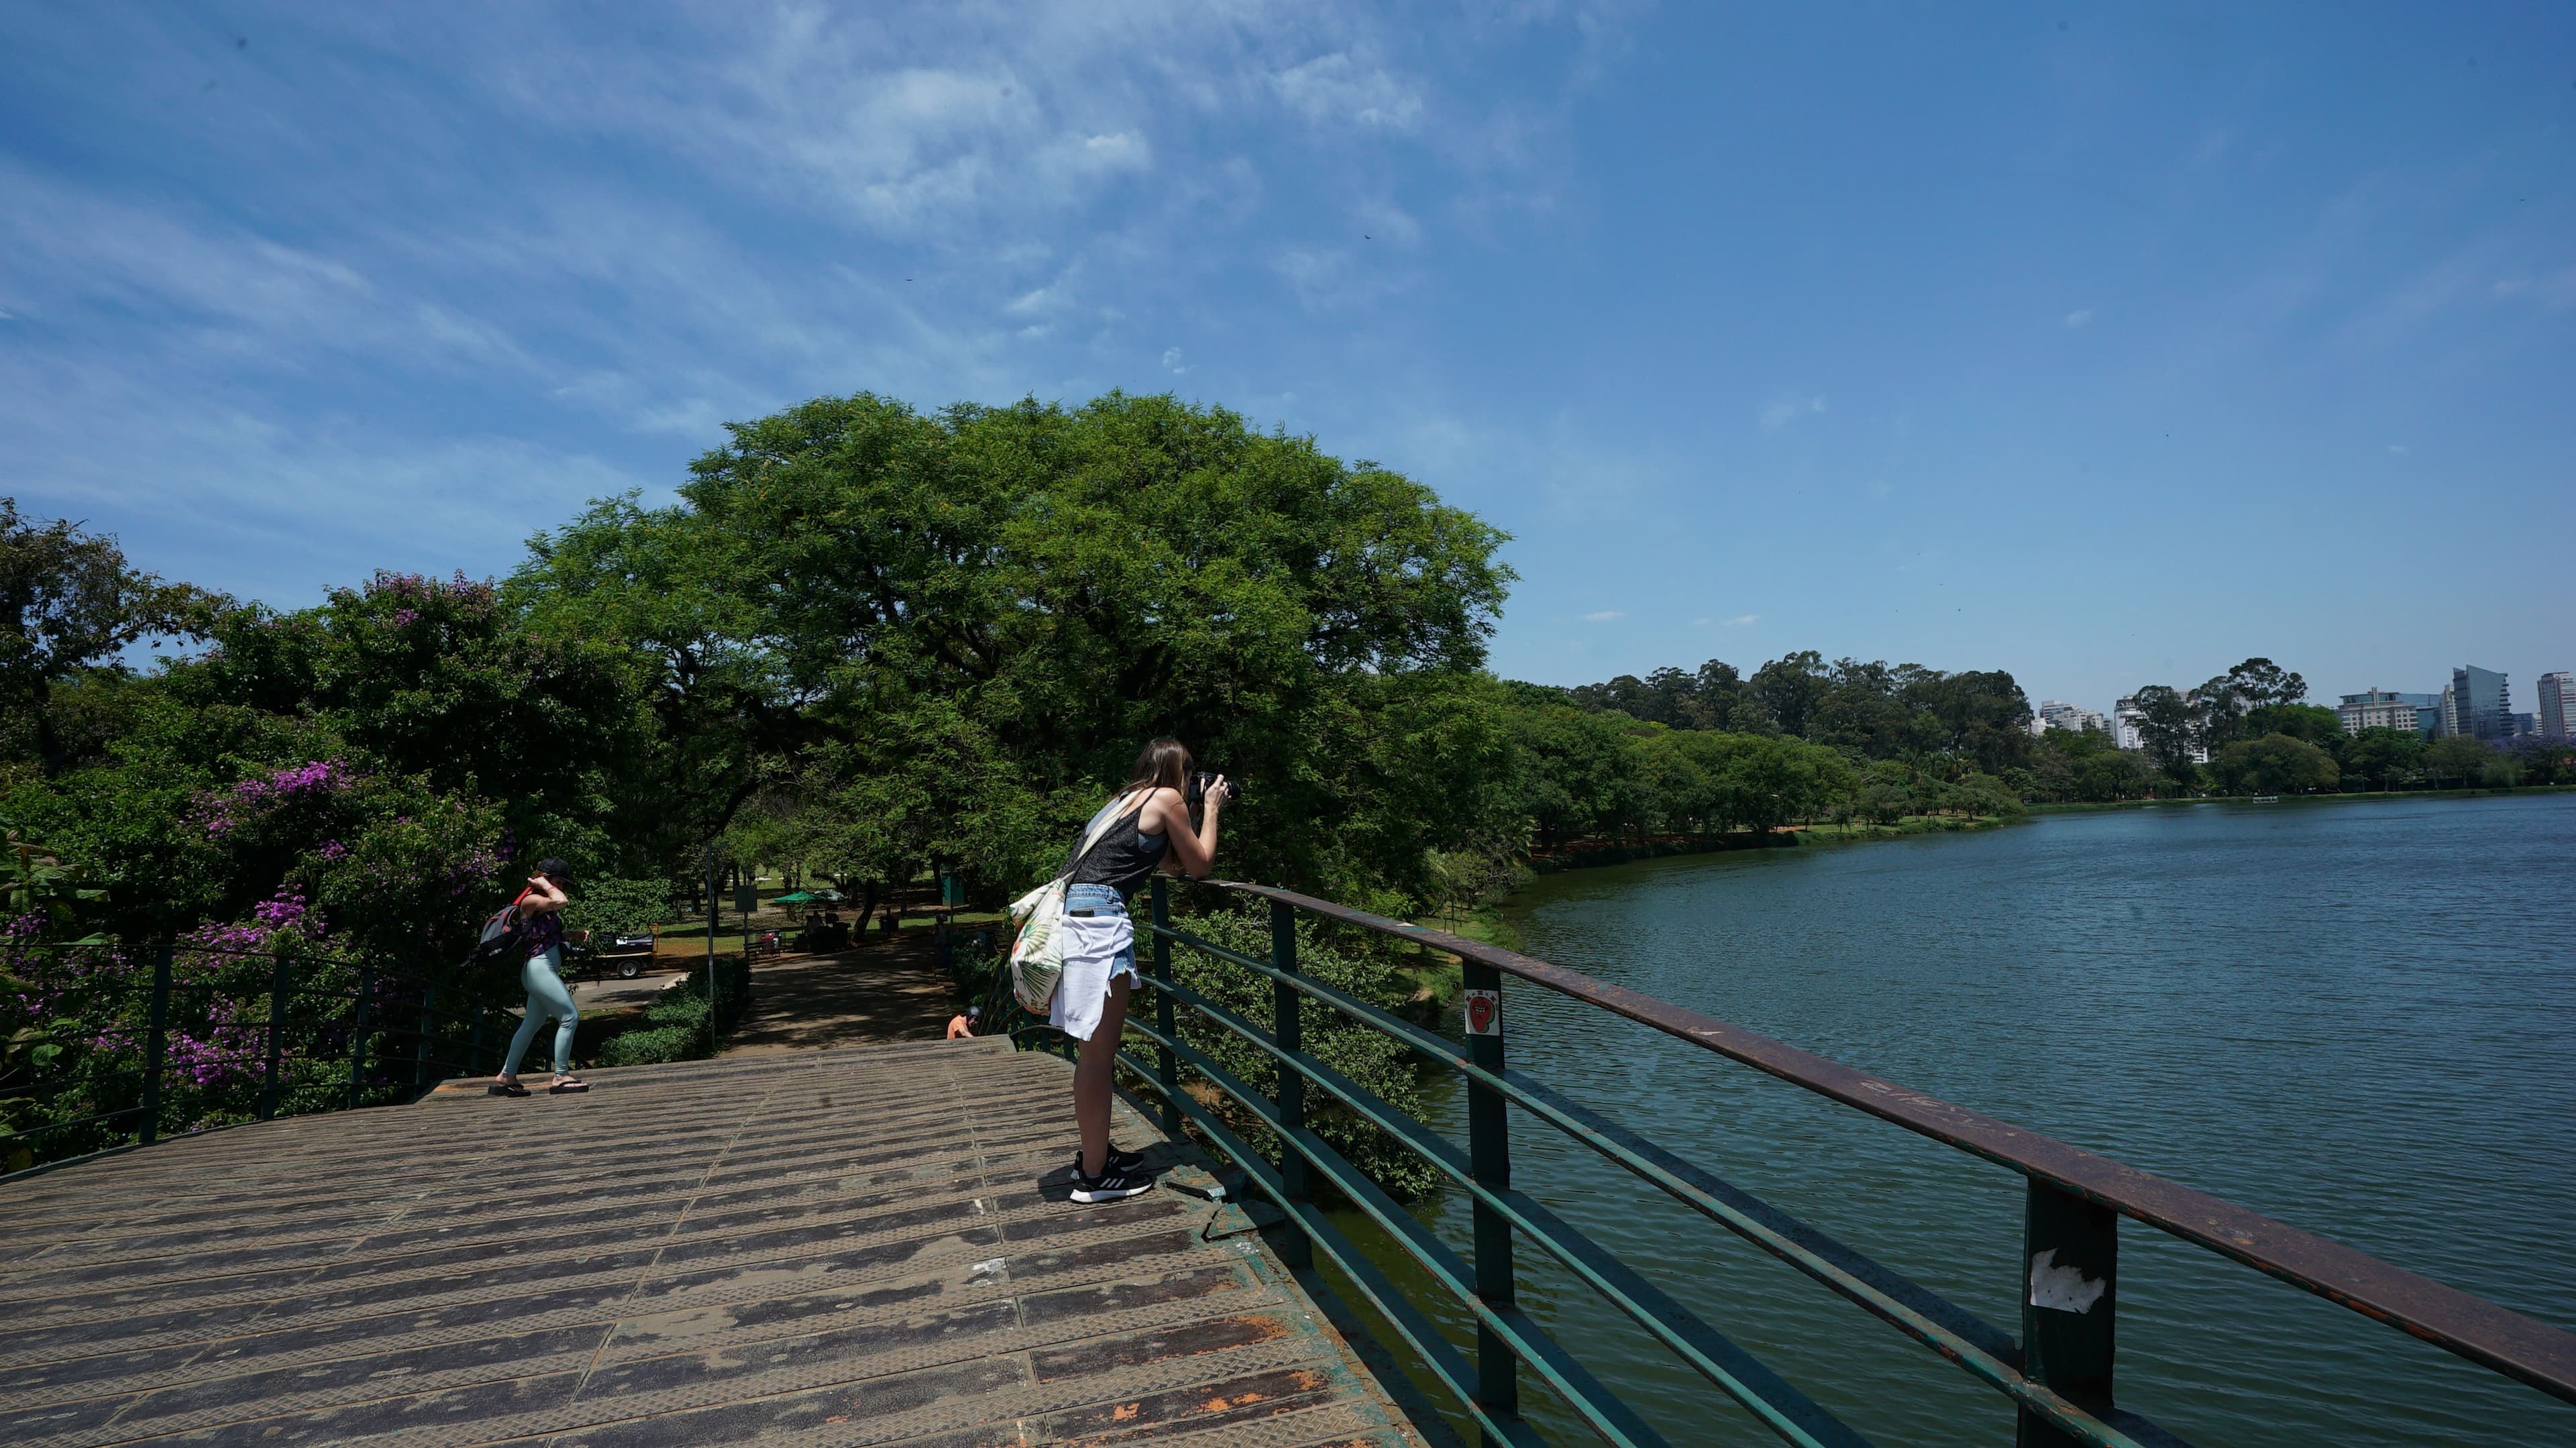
<point>544,898</point>
<point>1192,851</point>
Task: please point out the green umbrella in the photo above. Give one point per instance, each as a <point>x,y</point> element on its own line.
<point>798,897</point>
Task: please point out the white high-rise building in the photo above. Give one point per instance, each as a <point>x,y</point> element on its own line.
<point>2075,718</point>
<point>2557,701</point>
<point>2380,709</point>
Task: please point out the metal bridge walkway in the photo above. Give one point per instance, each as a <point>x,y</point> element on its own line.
<point>863,1245</point>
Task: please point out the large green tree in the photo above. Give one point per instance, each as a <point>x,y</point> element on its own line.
<point>68,606</point>
<point>953,630</point>
<point>2275,764</point>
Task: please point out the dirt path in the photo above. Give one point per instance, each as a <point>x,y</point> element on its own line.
<point>875,994</point>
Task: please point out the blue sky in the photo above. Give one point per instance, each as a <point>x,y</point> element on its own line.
<point>2107,349</point>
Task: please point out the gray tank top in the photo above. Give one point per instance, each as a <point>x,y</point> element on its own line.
<point>1125,857</point>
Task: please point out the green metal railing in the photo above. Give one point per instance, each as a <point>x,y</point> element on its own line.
<point>2057,1371</point>
<point>203,1037</point>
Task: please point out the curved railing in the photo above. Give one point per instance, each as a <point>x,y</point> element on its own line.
<point>2057,1370</point>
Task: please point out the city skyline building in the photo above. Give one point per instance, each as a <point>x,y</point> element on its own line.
<point>2557,691</point>
<point>2478,704</point>
<point>2058,714</point>
<point>2377,708</point>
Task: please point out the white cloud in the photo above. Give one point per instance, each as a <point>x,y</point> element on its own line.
<point>1782,411</point>
<point>508,249</point>
<point>2075,320</point>
<point>1172,361</point>
<point>1604,616</point>
<point>2553,291</point>
<point>1878,488</point>
<point>1337,89</point>
<point>1742,620</point>
<point>2398,448</point>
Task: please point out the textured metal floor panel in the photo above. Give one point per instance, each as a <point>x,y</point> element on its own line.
<point>857,1246</point>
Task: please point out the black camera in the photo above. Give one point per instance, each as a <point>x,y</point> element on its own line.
<point>1196,794</point>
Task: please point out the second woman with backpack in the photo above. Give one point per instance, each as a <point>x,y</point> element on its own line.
<point>539,913</point>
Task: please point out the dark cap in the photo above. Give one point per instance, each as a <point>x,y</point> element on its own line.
<point>559,871</point>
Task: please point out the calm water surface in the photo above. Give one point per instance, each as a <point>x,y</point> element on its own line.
<point>2359,1018</point>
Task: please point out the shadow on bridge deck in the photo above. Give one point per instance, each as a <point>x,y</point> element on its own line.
<point>852,1246</point>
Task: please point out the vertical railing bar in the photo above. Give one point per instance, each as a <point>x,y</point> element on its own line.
<point>276,1035</point>
<point>1287,1028</point>
<point>420,1048</point>
<point>358,1033</point>
<point>156,1046</point>
<point>1168,1063</point>
<point>1489,1156</point>
<point>2070,1297</point>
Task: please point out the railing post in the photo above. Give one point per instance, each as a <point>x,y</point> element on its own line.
<point>1168,1061</point>
<point>420,1049</point>
<point>1288,1030</point>
<point>358,1034</point>
<point>276,1036</point>
<point>2069,1300</point>
<point>714,908</point>
<point>155,1045</point>
<point>1489,1159</point>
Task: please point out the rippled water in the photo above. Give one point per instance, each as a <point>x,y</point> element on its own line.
<point>2357,1017</point>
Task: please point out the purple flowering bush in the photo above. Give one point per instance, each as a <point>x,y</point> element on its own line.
<point>351,788</point>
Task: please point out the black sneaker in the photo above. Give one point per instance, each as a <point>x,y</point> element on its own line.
<point>1111,1185</point>
<point>1131,1163</point>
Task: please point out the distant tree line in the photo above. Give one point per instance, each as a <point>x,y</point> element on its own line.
<point>1698,752</point>
<point>2251,731</point>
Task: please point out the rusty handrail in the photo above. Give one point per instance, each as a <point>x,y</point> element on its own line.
<point>2523,1348</point>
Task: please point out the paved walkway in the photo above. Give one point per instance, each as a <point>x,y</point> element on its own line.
<point>883,991</point>
<point>839,1247</point>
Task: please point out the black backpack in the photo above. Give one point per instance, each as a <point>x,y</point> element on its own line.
<point>504,936</point>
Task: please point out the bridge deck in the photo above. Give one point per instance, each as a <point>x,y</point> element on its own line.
<point>853,1246</point>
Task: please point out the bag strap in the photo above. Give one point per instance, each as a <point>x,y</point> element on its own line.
<point>1101,825</point>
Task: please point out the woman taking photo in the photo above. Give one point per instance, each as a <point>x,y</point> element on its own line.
<point>540,906</point>
<point>1149,829</point>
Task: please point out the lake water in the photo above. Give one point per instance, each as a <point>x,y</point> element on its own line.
<point>2359,1018</point>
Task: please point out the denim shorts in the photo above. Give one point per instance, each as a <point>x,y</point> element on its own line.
<point>1103,902</point>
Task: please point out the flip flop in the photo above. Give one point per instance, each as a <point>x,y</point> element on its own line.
<point>508,1088</point>
<point>567,1088</point>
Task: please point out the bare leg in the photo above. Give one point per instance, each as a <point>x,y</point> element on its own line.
<point>1092,1072</point>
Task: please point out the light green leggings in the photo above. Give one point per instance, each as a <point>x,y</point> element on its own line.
<point>546,997</point>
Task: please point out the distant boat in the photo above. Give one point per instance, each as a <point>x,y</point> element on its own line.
<point>2267,799</point>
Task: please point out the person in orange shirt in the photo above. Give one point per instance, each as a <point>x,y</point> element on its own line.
<point>962,1027</point>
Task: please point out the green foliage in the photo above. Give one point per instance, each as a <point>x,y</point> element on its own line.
<point>953,631</point>
<point>2457,760</point>
<point>1363,968</point>
<point>1580,772</point>
<point>68,604</point>
<point>2275,764</point>
<point>386,764</point>
<point>2390,757</point>
<point>45,895</point>
<point>615,905</point>
<point>675,1025</point>
<point>2168,729</point>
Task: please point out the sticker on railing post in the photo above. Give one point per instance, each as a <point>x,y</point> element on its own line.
<point>1484,1013</point>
